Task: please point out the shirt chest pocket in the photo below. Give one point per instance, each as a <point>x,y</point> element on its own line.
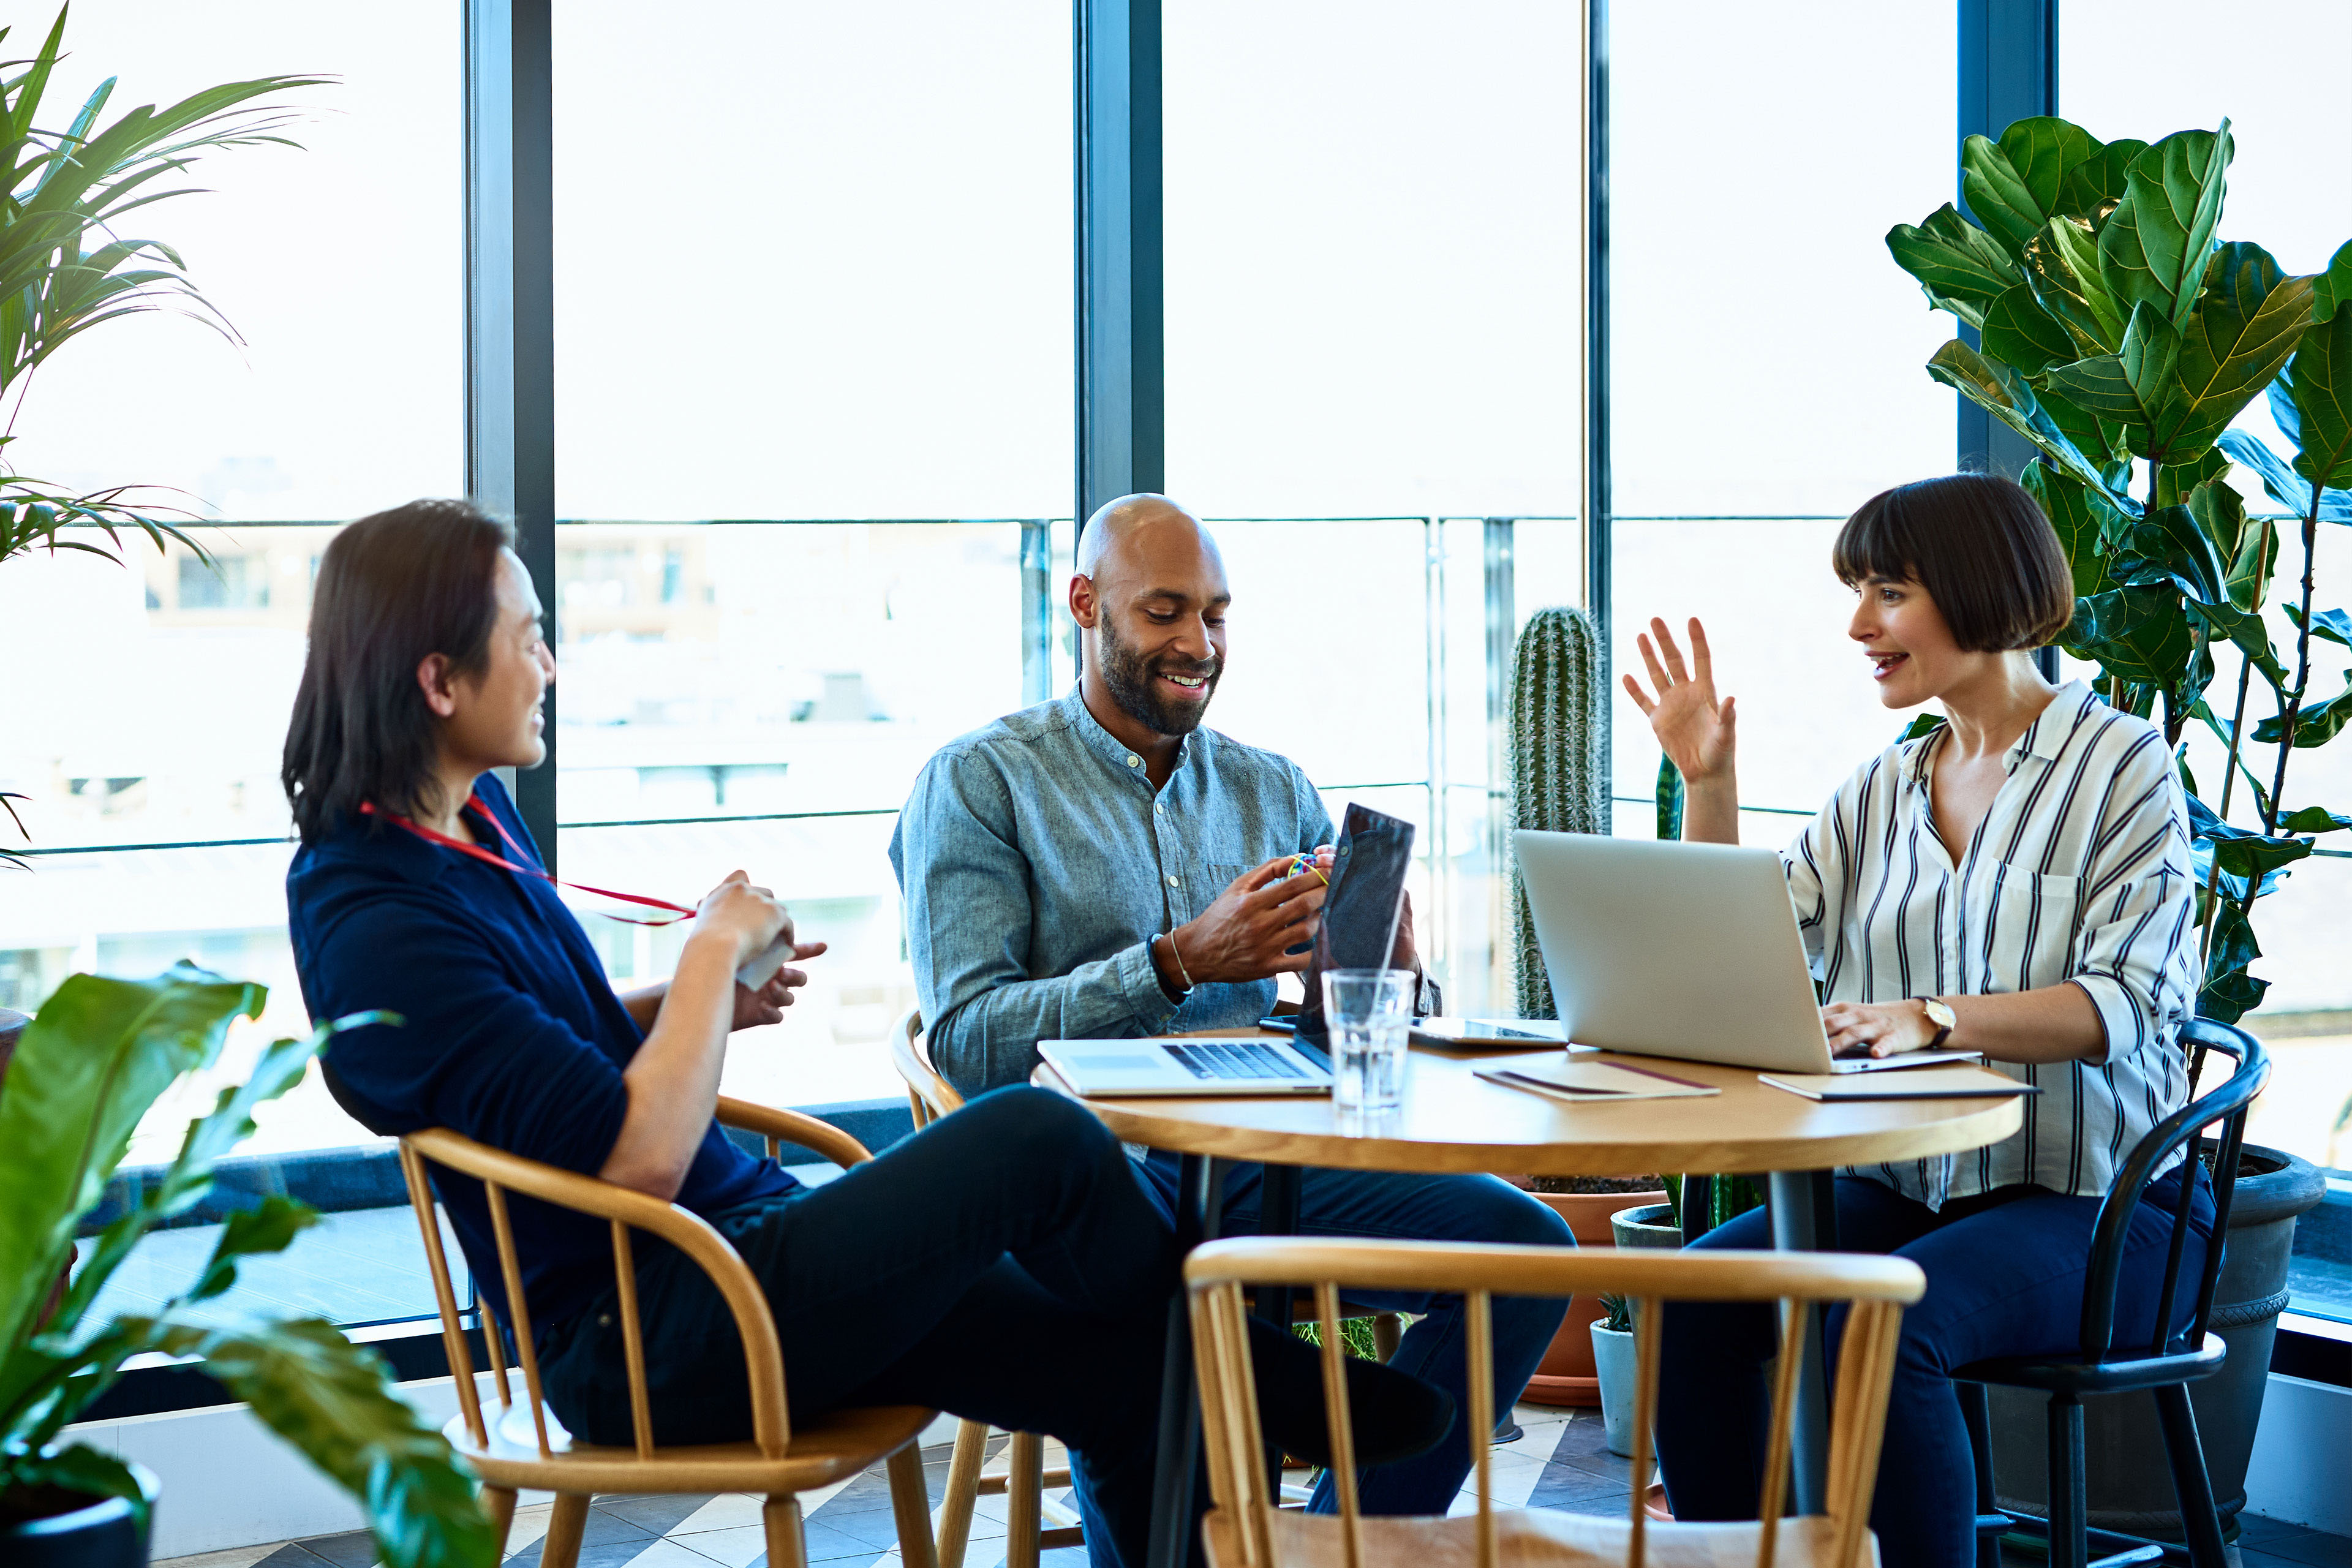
<point>2025,932</point>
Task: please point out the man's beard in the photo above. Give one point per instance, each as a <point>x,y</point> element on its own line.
<point>1132,684</point>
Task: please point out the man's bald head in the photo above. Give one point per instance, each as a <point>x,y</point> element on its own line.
<point>1149,595</point>
<point>1131,525</point>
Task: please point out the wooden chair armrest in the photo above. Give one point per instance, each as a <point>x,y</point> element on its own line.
<point>793,1127</point>
<point>623,1208</point>
<point>910,1053</point>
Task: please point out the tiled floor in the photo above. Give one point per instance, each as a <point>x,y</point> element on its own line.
<point>1559,1461</point>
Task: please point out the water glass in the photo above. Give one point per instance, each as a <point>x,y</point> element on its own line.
<point>1370,1015</point>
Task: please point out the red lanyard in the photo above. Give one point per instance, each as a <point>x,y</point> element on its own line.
<point>430,835</point>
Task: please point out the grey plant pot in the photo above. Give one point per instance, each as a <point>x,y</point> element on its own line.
<point>2130,1484</point>
<point>104,1534</point>
<point>1646,1224</point>
<point>1613,1363</point>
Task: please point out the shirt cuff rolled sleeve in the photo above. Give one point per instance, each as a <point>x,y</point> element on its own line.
<point>1140,980</point>
<point>2122,1014</point>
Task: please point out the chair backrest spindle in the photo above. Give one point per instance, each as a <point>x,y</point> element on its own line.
<point>495,1344</point>
<point>1773,1497</point>
<point>633,1343</point>
<point>1648,1313</point>
<point>511,1270</point>
<point>1342,1427</point>
<point>1478,1309</point>
<point>453,1327</point>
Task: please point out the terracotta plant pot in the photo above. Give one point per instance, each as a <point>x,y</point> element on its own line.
<point>1564,1376</point>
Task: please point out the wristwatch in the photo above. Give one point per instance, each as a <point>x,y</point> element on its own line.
<point>1945,1020</point>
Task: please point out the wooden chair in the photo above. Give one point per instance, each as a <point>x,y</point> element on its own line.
<point>1025,1478</point>
<point>1243,1530</point>
<point>777,1462</point>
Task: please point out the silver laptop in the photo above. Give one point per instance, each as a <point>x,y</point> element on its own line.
<point>1681,950</point>
<point>1121,1068</point>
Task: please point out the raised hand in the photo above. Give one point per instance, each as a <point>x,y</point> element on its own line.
<point>1693,728</point>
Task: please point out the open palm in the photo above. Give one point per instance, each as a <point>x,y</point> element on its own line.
<point>1693,727</point>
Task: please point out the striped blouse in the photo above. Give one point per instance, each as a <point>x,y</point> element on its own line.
<point>2079,872</point>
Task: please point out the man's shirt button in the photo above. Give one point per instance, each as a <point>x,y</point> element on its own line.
<point>1174,883</point>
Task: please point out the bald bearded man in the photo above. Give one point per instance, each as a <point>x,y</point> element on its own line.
<point>1103,865</point>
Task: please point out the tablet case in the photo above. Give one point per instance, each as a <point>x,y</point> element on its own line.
<point>1359,917</point>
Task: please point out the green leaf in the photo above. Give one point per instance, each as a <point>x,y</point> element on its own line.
<point>190,1174</point>
<point>1924,724</point>
<point>95,1056</point>
<point>2168,545</point>
<point>2314,819</point>
<point>1961,269</point>
<point>1669,798</point>
<point>2093,186</point>
<point>2247,322</point>
<point>2018,332</point>
<point>82,1469</point>
<point>2333,287</point>
<point>2314,726</point>
<point>2003,393</point>
<point>2246,547</point>
<point>2071,514</point>
<point>2322,377</point>
<point>270,1226</point>
<point>2136,386</point>
<point>2234,946</point>
<point>2153,249</point>
<point>2249,632</point>
<point>2332,626</point>
<point>2286,486</point>
<point>2231,997</point>
<point>2140,635</point>
<point>2175,480</point>
<point>2064,269</point>
<point>332,1400</point>
<point>2012,186</point>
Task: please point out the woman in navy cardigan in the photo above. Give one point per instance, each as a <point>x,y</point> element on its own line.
<point>1004,1264</point>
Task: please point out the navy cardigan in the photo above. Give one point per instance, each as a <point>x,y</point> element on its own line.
<point>512,1035</point>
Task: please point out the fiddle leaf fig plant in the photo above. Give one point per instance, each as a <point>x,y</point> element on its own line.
<point>2115,330</point>
<point>96,1057</point>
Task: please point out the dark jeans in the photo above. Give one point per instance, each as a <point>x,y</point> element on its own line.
<point>1435,1349</point>
<point>2004,1278</point>
<point>1004,1265</point>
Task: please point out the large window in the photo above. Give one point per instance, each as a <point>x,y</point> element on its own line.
<point>863,313</point>
<point>161,709</point>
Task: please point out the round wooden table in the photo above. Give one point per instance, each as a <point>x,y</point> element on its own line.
<point>1452,1120</point>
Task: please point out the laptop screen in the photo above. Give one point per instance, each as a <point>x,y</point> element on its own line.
<point>1359,917</point>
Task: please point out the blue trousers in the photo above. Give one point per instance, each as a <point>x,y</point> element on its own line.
<point>2004,1278</point>
<point>1435,1349</point>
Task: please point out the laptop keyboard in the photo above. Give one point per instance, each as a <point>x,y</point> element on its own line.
<point>1235,1059</point>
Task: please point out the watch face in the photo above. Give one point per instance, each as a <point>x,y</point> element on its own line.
<point>1937,1013</point>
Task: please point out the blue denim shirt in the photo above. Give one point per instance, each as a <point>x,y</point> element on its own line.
<point>1037,863</point>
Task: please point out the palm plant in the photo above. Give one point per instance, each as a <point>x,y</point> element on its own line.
<point>96,1057</point>
<point>66,267</point>
<point>2112,325</point>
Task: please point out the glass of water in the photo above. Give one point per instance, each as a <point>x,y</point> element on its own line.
<point>1370,1015</point>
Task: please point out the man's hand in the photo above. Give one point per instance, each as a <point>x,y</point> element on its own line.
<point>1876,1028</point>
<point>1246,933</point>
<point>767,1005</point>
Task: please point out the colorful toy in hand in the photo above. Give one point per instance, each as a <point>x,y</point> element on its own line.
<point>1301,864</point>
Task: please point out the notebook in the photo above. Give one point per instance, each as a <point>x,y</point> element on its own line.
<point>1924,1083</point>
<point>1583,1081</point>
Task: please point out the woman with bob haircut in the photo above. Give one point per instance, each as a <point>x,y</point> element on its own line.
<point>2016,882</point>
<point>1016,1225</point>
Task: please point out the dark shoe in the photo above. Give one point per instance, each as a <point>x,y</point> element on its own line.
<point>1395,1415</point>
